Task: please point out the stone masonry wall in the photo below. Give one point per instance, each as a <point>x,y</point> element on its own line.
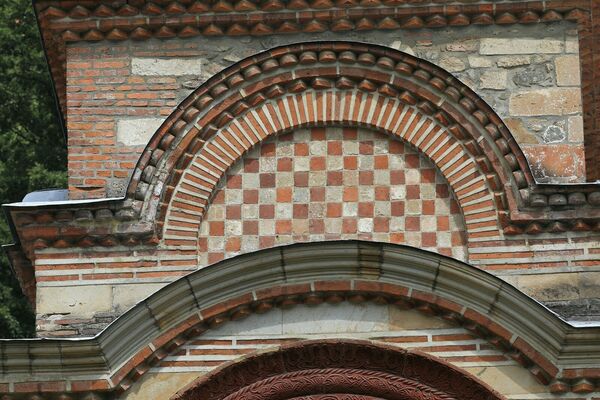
<point>119,93</point>
<point>317,184</point>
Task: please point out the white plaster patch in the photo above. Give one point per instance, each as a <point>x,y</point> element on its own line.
<point>304,320</point>
<point>170,67</point>
<point>135,132</point>
<point>491,46</point>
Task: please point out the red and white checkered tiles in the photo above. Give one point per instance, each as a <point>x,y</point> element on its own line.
<point>330,184</point>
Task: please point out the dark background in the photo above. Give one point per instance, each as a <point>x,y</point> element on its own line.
<point>32,146</point>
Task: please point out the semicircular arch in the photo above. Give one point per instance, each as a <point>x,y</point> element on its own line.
<point>322,68</point>
<point>335,271</point>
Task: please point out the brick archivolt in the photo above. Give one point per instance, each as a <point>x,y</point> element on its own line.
<point>333,84</point>
<point>198,183</point>
<point>340,83</point>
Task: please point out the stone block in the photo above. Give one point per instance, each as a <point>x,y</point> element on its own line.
<point>463,45</point>
<point>168,67</point>
<point>126,296</point>
<point>452,64</point>
<point>589,285</point>
<point>520,132</point>
<point>137,132</point>
<point>412,319</point>
<point>572,45</point>
<point>479,62</point>
<point>501,46</point>
<point>535,75</point>
<point>342,318</point>
<point>510,380</point>
<point>159,385</point>
<point>552,101</point>
<point>493,79</point>
<point>550,287</point>
<point>77,301</point>
<point>575,127</point>
<point>554,134</point>
<point>513,61</point>
<point>568,71</point>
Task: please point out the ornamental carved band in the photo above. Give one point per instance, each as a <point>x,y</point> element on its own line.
<point>335,370</point>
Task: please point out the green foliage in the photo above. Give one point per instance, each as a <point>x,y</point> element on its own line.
<point>32,149</point>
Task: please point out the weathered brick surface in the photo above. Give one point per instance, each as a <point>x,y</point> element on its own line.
<point>114,88</point>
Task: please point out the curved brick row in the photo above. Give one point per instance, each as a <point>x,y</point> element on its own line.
<point>210,297</point>
<point>198,182</point>
<point>431,90</point>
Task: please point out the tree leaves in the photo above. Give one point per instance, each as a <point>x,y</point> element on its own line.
<point>32,148</point>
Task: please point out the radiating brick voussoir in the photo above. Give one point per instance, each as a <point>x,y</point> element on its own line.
<point>262,122</point>
<point>214,89</point>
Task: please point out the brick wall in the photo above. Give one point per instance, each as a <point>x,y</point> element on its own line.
<point>311,185</point>
<point>119,93</point>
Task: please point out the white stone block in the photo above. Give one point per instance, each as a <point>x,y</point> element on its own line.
<point>341,318</point>
<point>493,79</point>
<point>256,324</point>
<point>169,67</point>
<point>496,46</point>
<point>138,131</point>
<point>77,301</point>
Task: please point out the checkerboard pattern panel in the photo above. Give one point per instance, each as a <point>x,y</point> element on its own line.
<point>331,184</point>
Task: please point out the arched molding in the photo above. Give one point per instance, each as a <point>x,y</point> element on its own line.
<point>338,368</point>
<point>319,70</point>
<point>556,352</point>
<point>199,181</point>
<point>296,70</point>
